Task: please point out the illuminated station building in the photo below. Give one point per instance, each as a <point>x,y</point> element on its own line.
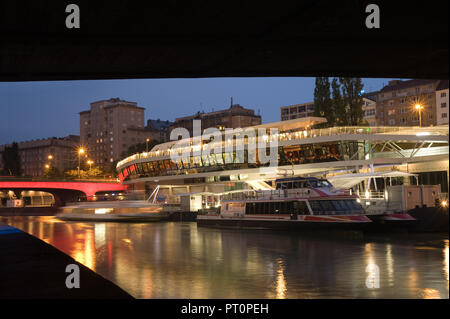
<point>347,156</point>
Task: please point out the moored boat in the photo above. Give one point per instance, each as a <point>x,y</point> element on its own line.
<point>296,203</point>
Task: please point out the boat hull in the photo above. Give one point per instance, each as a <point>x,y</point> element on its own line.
<point>391,222</point>
<point>286,224</point>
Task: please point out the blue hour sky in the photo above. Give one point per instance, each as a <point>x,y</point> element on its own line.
<point>32,110</point>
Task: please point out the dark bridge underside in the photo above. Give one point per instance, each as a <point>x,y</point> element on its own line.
<point>223,38</point>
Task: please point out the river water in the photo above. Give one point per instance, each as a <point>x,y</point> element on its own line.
<point>181,260</point>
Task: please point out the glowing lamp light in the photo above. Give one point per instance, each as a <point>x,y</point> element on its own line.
<point>444,203</point>
<point>367,194</point>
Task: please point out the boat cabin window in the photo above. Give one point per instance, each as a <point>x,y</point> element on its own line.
<point>296,184</point>
<point>272,207</point>
<point>290,185</point>
<point>335,207</point>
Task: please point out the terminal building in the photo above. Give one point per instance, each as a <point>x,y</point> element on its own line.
<point>347,156</point>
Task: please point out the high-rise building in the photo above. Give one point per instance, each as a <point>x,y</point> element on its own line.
<point>442,106</point>
<point>234,117</point>
<point>110,127</point>
<point>397,101</point>
<point>36,156</point>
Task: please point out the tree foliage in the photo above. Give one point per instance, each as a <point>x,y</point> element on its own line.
<point>351,91</point>
<point>84,174</point>
<point>51,172</point>
<point>139,148</point>
<point>11,160</point>
<point>344,107</point>
<point>322,100</point>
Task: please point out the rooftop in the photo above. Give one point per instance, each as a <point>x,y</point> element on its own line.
<point>399,84</point>
<point>443,84</point>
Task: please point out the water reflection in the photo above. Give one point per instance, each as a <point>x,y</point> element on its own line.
<point>179,260</point>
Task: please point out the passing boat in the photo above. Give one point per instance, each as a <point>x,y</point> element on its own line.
<point>298,203</point>
<point>119,210</point>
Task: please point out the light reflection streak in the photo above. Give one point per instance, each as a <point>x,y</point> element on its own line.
<point>446,261</point>
<point>390,265</point>
<point>100,234</point>
<point>281,282</point>
<point>429,293</point>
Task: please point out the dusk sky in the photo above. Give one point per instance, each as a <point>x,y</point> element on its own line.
<point>33,110</point>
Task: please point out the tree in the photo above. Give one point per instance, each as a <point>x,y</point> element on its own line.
<point>51,172</point>
<point>338,104</point>
<point>322,100</point>
<point>11,160</point>
<point>351,91</point>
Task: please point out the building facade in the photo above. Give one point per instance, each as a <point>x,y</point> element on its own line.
<point>396,103</point>
<point>234,117</point>
<point>162,127</point>
<point>370,109</point>
<point>296,111</point>
<point>110,127</point>
<point>36,156</point>
<point>303,110</point>
<point>442,107</point>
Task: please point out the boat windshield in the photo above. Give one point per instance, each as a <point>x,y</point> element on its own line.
<point>320,183</point>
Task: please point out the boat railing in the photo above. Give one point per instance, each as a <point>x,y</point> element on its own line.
<point>373,195</point>
<point>268,194</point>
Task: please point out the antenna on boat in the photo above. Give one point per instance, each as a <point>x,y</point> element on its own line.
<point>153,194</point>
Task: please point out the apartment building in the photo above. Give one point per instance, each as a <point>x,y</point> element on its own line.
<point>397,101</point>
<point>370,109</point>
<point>442,106</point>
<point>38,155</point>
<point>233,117</point>
<point>162,127</point>
<point>296,111</point>
<point>110,127</point>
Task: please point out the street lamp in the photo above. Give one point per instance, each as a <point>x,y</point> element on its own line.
<point>419,109</point>
<point>90,164</point>
<point>146,144</point>
<point>80,151</point>
<point>50,157</point>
